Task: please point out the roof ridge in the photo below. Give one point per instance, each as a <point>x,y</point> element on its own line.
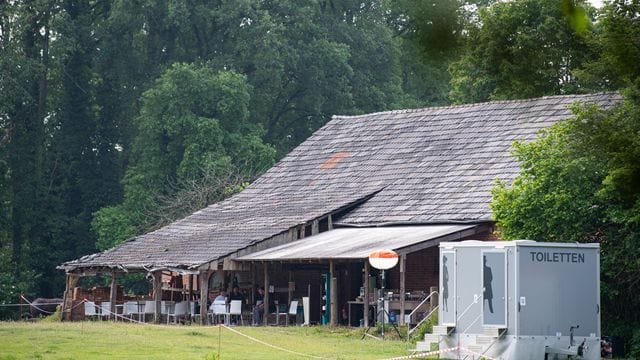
<point>459,106</point>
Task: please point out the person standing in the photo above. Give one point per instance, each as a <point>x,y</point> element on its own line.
<point>258,308</point>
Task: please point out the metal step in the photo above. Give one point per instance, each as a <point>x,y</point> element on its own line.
<point>442,329</point>
<point>493,331</point>
<point>484,339</point>
<point>422,346</point>
<point>475,348</point>
<point>432,338</point>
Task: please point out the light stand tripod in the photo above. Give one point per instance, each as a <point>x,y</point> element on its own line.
<point>381,311</point>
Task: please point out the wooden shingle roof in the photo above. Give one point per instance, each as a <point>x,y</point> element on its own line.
<point>432,165</point>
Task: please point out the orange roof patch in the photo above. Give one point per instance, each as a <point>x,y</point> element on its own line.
<point>334,160</point>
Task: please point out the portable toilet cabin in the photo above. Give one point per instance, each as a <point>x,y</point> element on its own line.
<point>518,300</point>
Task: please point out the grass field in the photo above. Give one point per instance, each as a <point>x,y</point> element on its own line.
<point>108,340</point>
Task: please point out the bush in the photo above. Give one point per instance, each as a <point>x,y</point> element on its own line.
<point>425,328</point>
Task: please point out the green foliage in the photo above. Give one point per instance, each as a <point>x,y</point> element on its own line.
<point>425,328</point>
<point>580,181</point>
<point>193,122</point>
<point>522,49</point>
<point>618,63</point>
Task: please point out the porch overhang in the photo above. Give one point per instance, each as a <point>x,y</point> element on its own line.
<point>358,243</point>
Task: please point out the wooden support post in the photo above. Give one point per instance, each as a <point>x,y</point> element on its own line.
<point>204,295</point>
<point>189,298</point>
<point>67,301</point>
<point>329,222</point>
<point>365,305</point>
<point>290,292</point>
<point>113,296</point>
<point>333,315</point>
<point>403,264</point>
<point>157,295</point>
<point>253,283</point>
<point>315,228</point>
<point>266,295</point>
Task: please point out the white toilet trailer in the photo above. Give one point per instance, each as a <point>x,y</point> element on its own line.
<point>518,300</point>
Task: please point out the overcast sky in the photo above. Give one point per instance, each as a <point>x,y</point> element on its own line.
<point>596,3</point>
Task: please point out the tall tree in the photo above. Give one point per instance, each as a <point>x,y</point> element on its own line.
<point>618,46</point>
<point>193,122</point>
<point>523,49</point>
<point>26,29</point>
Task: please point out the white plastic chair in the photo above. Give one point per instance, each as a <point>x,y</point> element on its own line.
<point>180,309</point>
<point>192,312</point>
<point>235,308</point>
<point>105,309</point>
<point>166,307</point>
<point>293,310</point>
<point>149,308</point>
<point>90,309</point>
<point>217,309</point>
<point>131,308</point>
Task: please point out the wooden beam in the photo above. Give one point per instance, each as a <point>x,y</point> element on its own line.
<point>365,305</point>
<point>290,292</point>
<point>157,295</point>
<point>266,294</point>
<point>113,296</point>
<point>67,300</point>
<point>253,283</point>
<point>403,264</point>
<point>189,298</point>
<point>333,315</point>
<point>204,295</point>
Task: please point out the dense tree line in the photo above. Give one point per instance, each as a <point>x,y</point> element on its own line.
<point>114,112</point>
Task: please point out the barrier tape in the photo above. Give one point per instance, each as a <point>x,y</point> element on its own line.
<point>116,315</point>
<point>423,354</point>
<point>28,304</point>
<point>270,345</point>
<point>35,306</point>
<point>477,354</point>
<point>438,352</point>
<point>31,304</point>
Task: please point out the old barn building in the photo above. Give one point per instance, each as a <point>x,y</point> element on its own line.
<point>404,180</point>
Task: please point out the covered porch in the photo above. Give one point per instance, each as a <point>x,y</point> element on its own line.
<point>330,269</point>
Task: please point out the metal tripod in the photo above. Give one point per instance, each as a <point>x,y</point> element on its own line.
<point>384,312</point>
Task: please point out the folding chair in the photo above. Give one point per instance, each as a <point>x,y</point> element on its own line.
<point>235,308</point>
<point>90,309</point>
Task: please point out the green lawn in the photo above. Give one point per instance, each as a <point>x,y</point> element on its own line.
<point>108,340</point>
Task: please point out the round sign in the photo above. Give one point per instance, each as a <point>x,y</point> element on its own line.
<point>383,259</point>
